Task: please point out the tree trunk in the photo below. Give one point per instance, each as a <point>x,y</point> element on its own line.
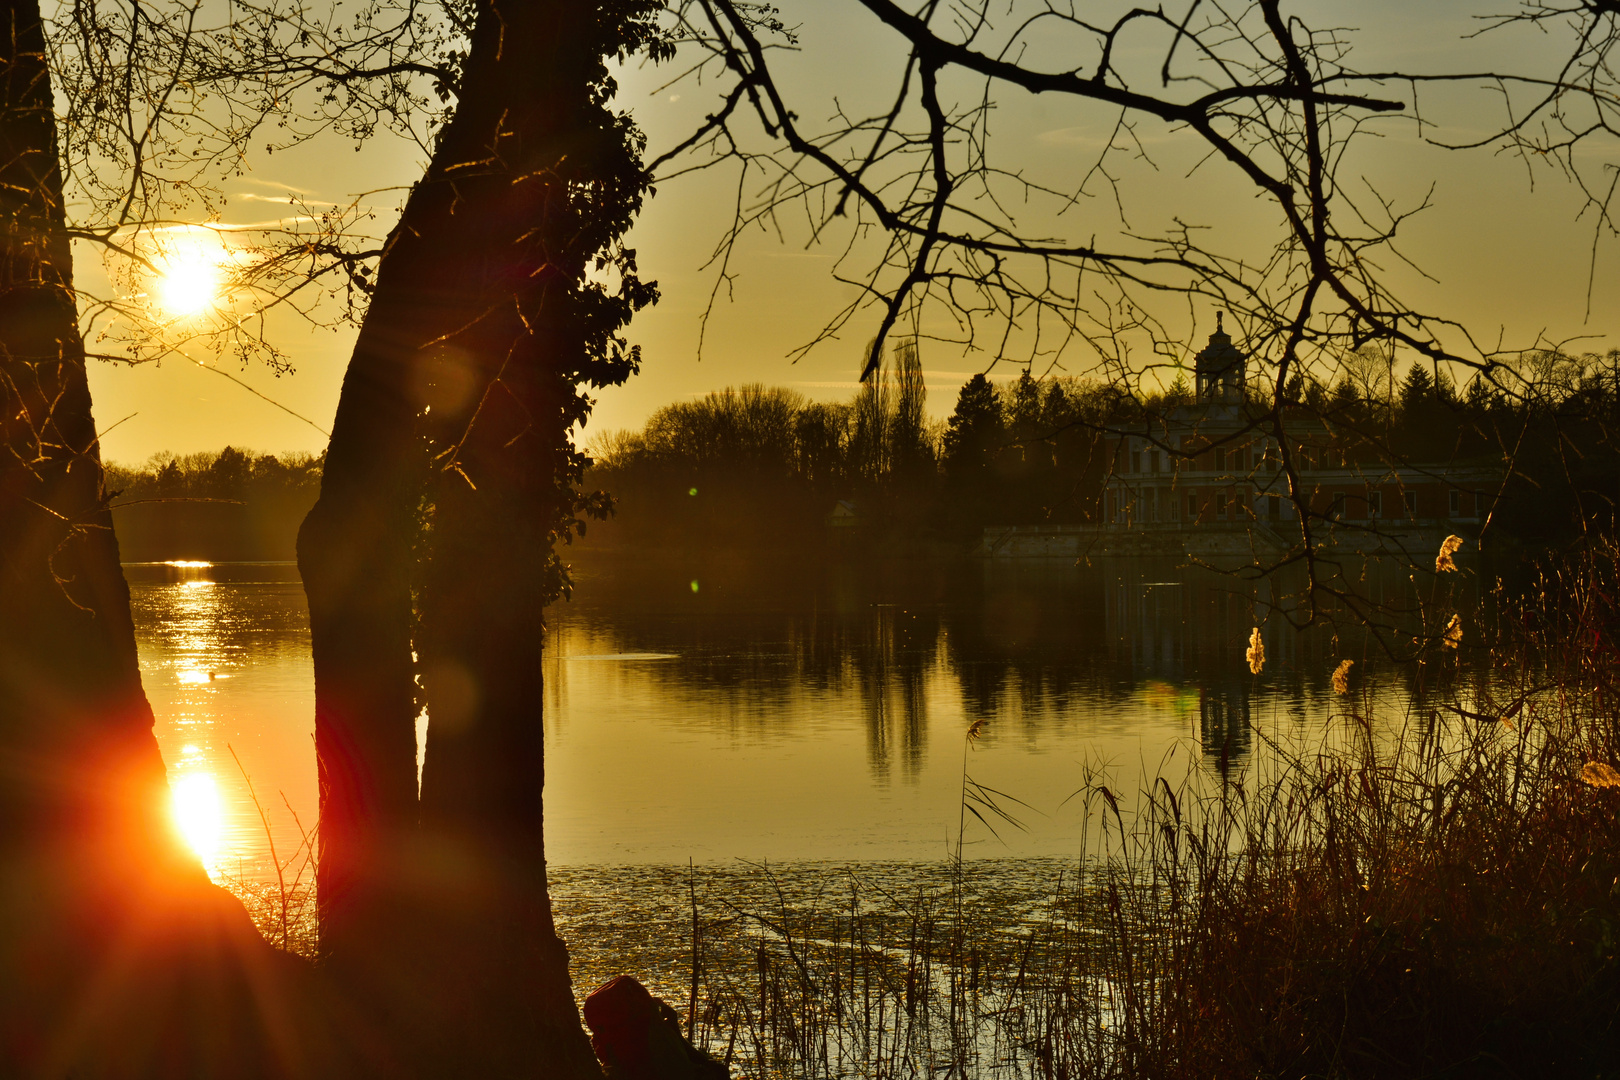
<point>478,329</point>
<point>118,956</point>
<point>559,185</point>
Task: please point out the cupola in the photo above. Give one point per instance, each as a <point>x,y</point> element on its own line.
<point>1219,369</point>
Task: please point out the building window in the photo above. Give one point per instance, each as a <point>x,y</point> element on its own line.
<point>1274,507</point>
<point>1136,461</point>
<point>1153,461</point>
<point>1220,459</point>
<point>1220,505</point>
<point>1411,504</point>
<point>1192,507</point>
<point>1375,504</point>
<point>1238,503</point>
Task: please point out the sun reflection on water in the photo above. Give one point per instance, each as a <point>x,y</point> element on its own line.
<point>199,815</point>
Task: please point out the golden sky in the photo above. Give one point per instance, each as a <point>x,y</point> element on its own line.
<point>1508,250</point>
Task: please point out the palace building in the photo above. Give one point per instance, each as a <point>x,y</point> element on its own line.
<point>1208,476</point>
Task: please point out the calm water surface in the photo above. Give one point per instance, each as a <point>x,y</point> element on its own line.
<point>713,709</point>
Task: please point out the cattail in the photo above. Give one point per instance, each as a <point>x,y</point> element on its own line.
<point>1257,652</point>
<point>1599,774</point>
<point>976,728</point>
<point>1453,636</point>
<point>1341,677</point>
<point>1448,548</point>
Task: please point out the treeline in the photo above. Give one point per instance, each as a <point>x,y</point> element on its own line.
<point>761,464</point>
<point>765,465</point>
<point>1551,420</point>
<point>230,505</point>
<point>757,464</point>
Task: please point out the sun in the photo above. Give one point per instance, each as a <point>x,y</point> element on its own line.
<point>190,275</point>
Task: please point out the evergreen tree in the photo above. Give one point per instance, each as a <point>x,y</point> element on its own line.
<point>1180,392</point>
<point>1024,418</point>
<point>1426,422</point>
<point>1344,402</point>
<point>975,436</point>
<point>1417,391</point>
<point>974,432</point>
<point>1445,390</point>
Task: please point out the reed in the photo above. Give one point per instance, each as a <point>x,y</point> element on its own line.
<point>1436,894</point>
<point>284,912</point>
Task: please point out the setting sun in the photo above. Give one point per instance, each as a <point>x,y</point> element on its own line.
<point>199,816</point>
<point>191,274</point>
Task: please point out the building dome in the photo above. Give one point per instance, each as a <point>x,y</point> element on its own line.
<point>1219,369</point>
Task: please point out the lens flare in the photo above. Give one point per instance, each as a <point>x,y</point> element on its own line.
<point>199,816</point>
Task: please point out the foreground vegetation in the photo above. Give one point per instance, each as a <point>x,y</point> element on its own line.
<point>1422,895</point>
<point>1430,891</point>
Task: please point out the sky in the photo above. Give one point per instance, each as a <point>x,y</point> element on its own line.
<point>1504,252</point>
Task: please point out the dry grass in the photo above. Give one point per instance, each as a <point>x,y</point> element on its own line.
<point>1435,895</point>
<point>1422,896</point>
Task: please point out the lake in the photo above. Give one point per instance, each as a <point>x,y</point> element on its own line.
<point>712,708</point>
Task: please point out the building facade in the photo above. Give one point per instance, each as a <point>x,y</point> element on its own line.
<point>1207,480</point>
<point>1208,464</point>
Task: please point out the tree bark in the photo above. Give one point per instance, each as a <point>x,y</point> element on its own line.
<point>118,956</point>
<point>70,687</point>
<point>452,436</point>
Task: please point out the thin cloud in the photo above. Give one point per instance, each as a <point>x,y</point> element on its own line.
<point>249,196</point>
<point>277,184</point>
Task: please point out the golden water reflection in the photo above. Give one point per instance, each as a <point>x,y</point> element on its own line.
<point>225,661</point>
<point>199,815</point>
<point>814,714</point>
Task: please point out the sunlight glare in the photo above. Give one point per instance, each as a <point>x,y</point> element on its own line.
<point>199,816</point>
<point>191,274</point>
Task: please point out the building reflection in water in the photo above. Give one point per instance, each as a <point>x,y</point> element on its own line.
<point>1191,625</point>
<point>1029,645</point>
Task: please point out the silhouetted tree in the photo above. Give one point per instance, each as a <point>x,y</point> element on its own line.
<point>460,396</point>
<point>974,436</point>
<point>1416,392</point>
<point>870,445</point>
<point>119,957</point>
<point>911,452</point>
